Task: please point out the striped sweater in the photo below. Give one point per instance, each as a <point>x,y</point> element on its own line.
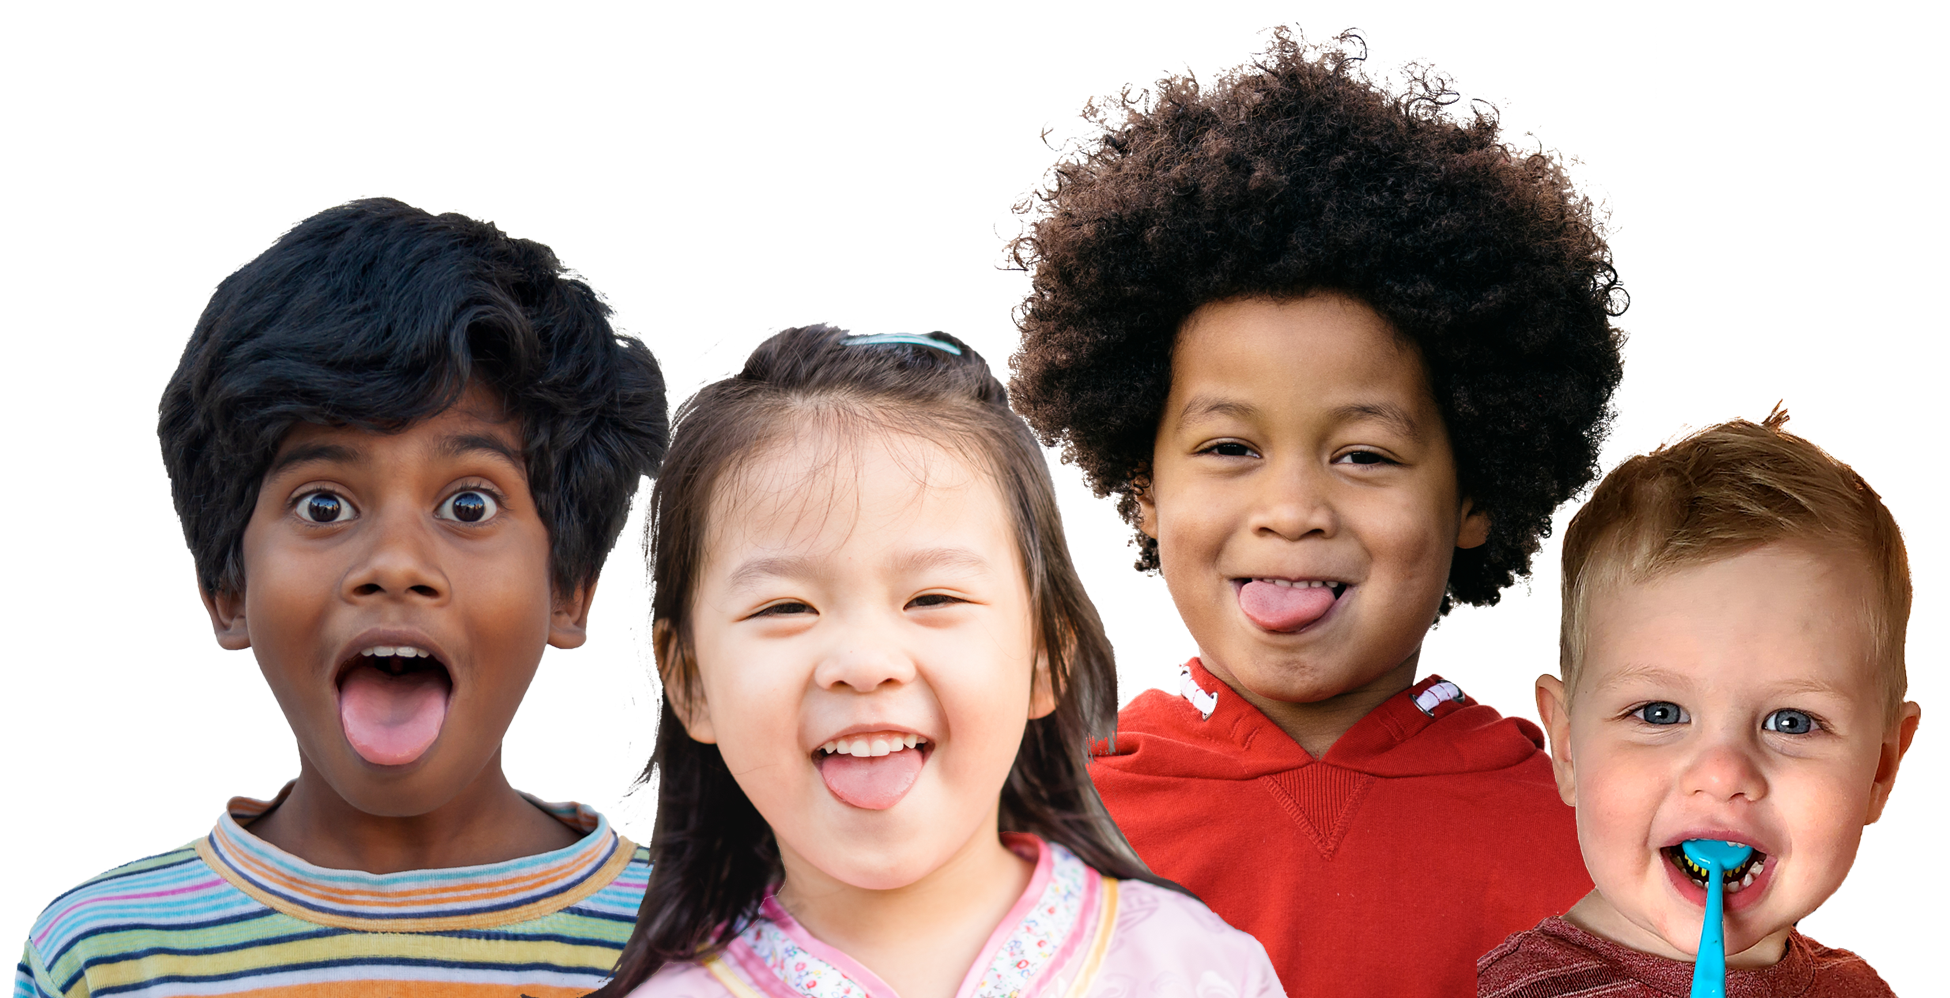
<point>231,914</point>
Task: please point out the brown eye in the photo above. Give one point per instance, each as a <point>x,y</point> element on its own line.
<point>324,507</point>
<point>784,609</point>
<point>468,507</point>
<point>934,599</point>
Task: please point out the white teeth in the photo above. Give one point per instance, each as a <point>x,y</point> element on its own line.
<point>1297,584</point>
<point>1748,880</point>
<point>872,746</point>
<point>396,651</point>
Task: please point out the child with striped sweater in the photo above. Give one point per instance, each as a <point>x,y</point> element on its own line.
<point>400,446</point>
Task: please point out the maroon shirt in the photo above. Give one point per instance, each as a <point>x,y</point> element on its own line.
<point>1559,960</point>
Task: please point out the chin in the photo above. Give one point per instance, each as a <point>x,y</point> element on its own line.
<point>872,871</point>
<point>1292,679</point>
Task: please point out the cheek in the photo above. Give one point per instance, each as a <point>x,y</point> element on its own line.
<point>1825,808</point>
<point>1618,793</point>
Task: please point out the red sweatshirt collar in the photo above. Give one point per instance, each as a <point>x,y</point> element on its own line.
<point>1397,738</point>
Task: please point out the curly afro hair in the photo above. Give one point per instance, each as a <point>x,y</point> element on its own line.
<point>1296,174</point>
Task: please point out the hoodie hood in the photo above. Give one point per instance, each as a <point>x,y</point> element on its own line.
<point>1208,731</point>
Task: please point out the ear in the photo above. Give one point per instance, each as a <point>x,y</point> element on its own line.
<point>1551,707</point>
<point>1474,530</point>
<point>1147,510</point>
<point>683,689</point>
<point>1042,697</point>
<point>568,622</point>
<point>227,617</point>
<point>1894,744</point>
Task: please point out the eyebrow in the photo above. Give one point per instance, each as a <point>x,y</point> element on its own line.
<point>1388,413</point>
<point>458,445</point>
<point>462,444</point>
<point>1656,675</point>
<point>792,566</point>
<point>1396,417</point>
<point>1201,406</point>
<point>307,453</point>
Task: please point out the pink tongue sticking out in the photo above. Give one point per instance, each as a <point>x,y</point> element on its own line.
<point>391,720</point>
<point>1279,608</point>
<point>876,782</point>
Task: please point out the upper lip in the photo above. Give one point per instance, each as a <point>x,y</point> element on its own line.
<point>394,636</point>
<point>872,729</point>
<point>1723,835</point>
<point>1295,577</point>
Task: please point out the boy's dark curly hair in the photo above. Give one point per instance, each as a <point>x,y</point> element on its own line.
<point>1296,174</point>
<point>376,314</point>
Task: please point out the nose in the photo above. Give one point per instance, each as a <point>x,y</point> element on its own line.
<point>400,559</point>
<point>1724,768</point>
<point>863,658</point>
<point>1293,501</point>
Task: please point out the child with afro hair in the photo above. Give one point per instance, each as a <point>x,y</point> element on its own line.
<point>1339,354</point>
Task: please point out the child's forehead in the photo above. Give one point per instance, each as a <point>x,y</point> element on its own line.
<point>1786,615</point>
<point>477,422</point>
<point>1250,356</point>
<point>819,479</point>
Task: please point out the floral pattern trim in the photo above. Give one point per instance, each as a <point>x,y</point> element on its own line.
<point>799,970</point>
<point>1023,956</point>
<point>1037,939</point>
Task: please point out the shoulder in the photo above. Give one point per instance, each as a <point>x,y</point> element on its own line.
<point>165,891</point>
<point>619,899</point>
<point>1541,962</point>
<point>1161,933</point>
<point>682,980</point>
<point>1840,971</point>
<point>1153,712</point>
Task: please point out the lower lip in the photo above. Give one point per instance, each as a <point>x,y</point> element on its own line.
<point>1696,895</point>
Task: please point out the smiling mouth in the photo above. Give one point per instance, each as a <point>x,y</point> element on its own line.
<point>1287,605</point>
<point>1734,880</point>
<point>393,702</point>
<point>874,770</point>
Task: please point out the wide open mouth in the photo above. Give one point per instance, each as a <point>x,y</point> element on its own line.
<point>1733,880</point>
<point>874,769</point>
<point>1286,605</point>
<point>393,702</point>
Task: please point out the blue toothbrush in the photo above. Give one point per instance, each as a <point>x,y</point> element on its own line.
<point>1714,858</point>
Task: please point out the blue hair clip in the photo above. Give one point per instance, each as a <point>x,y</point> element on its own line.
<point>913,339</point>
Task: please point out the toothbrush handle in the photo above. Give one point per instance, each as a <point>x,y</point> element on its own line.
<point>1710,963</point>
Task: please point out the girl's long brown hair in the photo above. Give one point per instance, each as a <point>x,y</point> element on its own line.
<point>714,857</point>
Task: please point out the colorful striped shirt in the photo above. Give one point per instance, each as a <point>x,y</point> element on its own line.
<point>231,914</point>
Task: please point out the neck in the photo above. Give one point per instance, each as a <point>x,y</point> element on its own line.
<point>1318,725</point>
<point>922,938</point>
<point>487,822</point>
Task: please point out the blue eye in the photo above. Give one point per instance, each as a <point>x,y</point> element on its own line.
<point>468,507</point>
<point>1662,712</point>
<point>1789,721</point>
<point>324,507</point>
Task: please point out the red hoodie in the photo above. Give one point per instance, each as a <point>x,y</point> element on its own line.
<point>1387,867</point>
